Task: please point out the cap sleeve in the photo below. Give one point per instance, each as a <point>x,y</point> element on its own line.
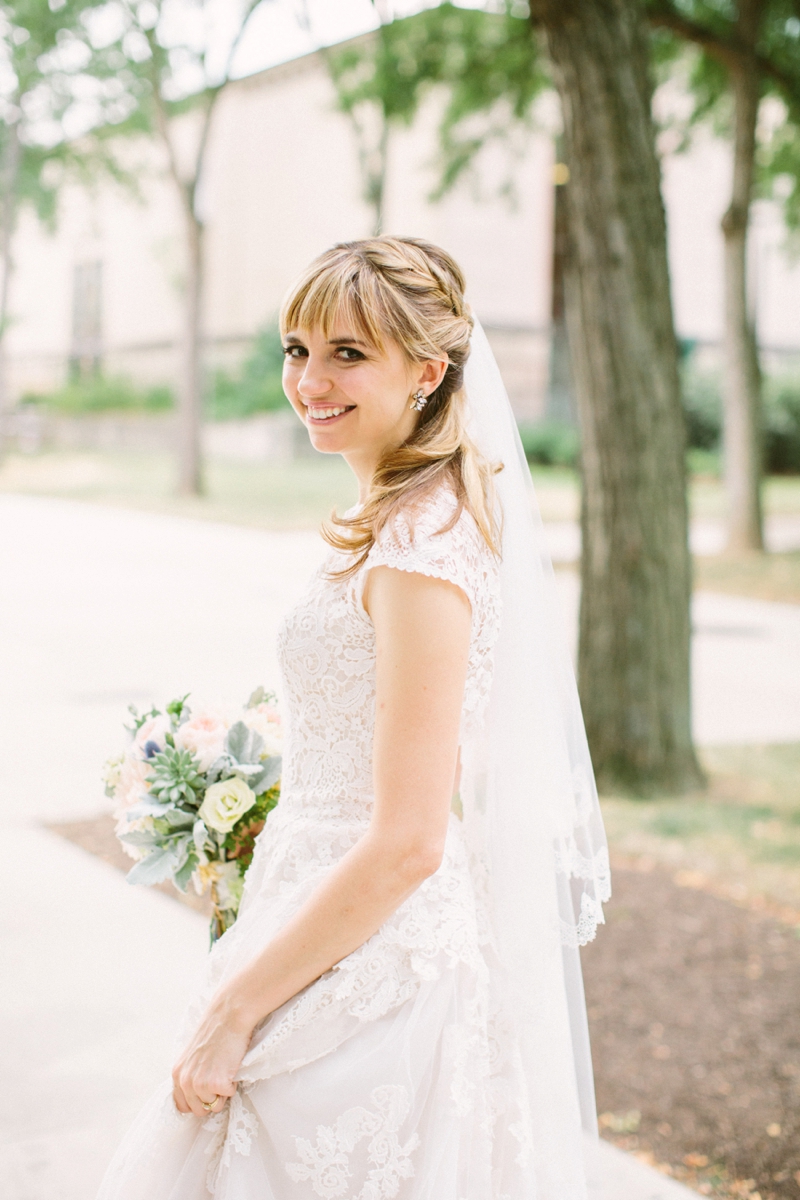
<point>418,544</point>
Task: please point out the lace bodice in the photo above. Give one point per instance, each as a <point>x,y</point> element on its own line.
<point>326,648</point>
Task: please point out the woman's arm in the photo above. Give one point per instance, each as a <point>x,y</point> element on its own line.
<point>422,630</point>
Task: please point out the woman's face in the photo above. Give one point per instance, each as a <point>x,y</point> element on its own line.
<point>354,399</point>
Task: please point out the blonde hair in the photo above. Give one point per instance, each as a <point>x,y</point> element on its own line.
<point>412,292</point>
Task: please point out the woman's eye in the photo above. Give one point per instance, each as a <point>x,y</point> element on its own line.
<point>349,354</point>
<point>295,351</point>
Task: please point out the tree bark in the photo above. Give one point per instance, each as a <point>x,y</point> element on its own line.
<point>8,212</point>
<point>190,398</point>
<point>742,435</point>
<point>633,659</point>
<point>560,400</point>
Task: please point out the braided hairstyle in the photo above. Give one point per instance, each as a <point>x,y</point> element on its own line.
<point>411,292</point>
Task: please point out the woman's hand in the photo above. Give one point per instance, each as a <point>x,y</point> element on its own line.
<point>207,1067</point>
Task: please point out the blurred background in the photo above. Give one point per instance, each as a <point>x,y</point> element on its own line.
<point>166,169</point>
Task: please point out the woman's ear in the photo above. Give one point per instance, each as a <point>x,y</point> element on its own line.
<point>431,374</point>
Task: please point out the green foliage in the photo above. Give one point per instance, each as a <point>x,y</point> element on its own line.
<point>256,387</point>
<point>709,29</point>
<point>240,842</point>
<point>702,402</point>
<point>550,443</point>
<point>702,407</point>
<point>176,777</point>
<point>782,425</point>
<point>101,394</point>
<point>779,170</point>
<point>52,65</point>
<point>244,748</point>
<point>489,63</point>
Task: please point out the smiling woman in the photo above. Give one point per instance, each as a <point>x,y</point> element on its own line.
<point>371,1026</point>
<point>331,379</point>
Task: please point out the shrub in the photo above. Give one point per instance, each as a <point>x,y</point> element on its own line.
<point>782,425</point>
<point>702,407</point>
<point>101,394</point>
<point>550,443</point>
<point>702,403</point>
<point>256,387</point>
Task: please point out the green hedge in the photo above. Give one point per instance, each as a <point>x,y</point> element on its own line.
<point>101,394</point>
<point>554,443</point>
<point>702,401</point>
<point>255,387</point>
<point>550,443</point>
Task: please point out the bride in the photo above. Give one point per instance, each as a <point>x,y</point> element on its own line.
<point>397,1011</point>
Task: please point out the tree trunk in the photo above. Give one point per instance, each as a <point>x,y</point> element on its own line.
<point>190,398</point>
<point>633,660</point>
<point>560,398</point>
<point>742,437</point>
<point>8,212</point>
<point>377,183</point>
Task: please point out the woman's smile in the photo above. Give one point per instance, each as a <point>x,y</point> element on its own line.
<point>327,414</point>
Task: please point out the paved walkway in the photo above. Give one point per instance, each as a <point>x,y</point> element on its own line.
<point>707,536</point>
<point>101,606</point>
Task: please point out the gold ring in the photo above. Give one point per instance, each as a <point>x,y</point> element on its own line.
<point>210,1104</point>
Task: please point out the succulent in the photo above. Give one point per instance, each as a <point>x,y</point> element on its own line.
<point>176,777</point>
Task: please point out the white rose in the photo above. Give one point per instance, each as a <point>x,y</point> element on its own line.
<point>225,802</point>
<point>203,735</point>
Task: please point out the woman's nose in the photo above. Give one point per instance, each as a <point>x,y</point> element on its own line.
<point>314,381</point>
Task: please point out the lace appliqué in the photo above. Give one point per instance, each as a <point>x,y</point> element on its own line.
<point>327,1164</point>
<point>326,647</point>
<point>232,1132</point>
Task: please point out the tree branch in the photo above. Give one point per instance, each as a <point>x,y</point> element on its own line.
<point>728,50</point>
<point>213,94</point>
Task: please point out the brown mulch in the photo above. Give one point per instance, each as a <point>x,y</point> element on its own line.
<point>694,1008</point>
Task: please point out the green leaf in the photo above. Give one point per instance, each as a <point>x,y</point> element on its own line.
<point>148,806</point>
<point>157,867</point>
<point>183,875</point>
<point>244,745</point>
<point>179,818</point>
<point>269,776</point>
<point>140,837</point>
<point>179,708</point>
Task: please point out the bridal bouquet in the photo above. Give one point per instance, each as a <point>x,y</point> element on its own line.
<point>192,792</point>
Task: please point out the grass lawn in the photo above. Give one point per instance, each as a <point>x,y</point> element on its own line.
<point>739,839</point>
<point>763,576</point>
<point>295,495</point>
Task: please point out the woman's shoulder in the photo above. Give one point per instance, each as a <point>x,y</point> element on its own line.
<point>433,520</point>
<point>433,535</point>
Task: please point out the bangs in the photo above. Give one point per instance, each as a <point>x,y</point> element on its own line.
<point>347,295</point>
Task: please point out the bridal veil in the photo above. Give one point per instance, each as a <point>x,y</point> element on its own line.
<point>531,812</point>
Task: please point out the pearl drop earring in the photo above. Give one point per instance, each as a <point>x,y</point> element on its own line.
<point>418,400</point>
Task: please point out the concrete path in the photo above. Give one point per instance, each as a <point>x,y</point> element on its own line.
<point>745,665</point>
<point>707,536</point>
<point>101,606</point>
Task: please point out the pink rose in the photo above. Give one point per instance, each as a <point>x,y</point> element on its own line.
<point>204,735</point>
<point>266,720</point>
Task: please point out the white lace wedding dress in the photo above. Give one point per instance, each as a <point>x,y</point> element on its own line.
<point>394,1074</point>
